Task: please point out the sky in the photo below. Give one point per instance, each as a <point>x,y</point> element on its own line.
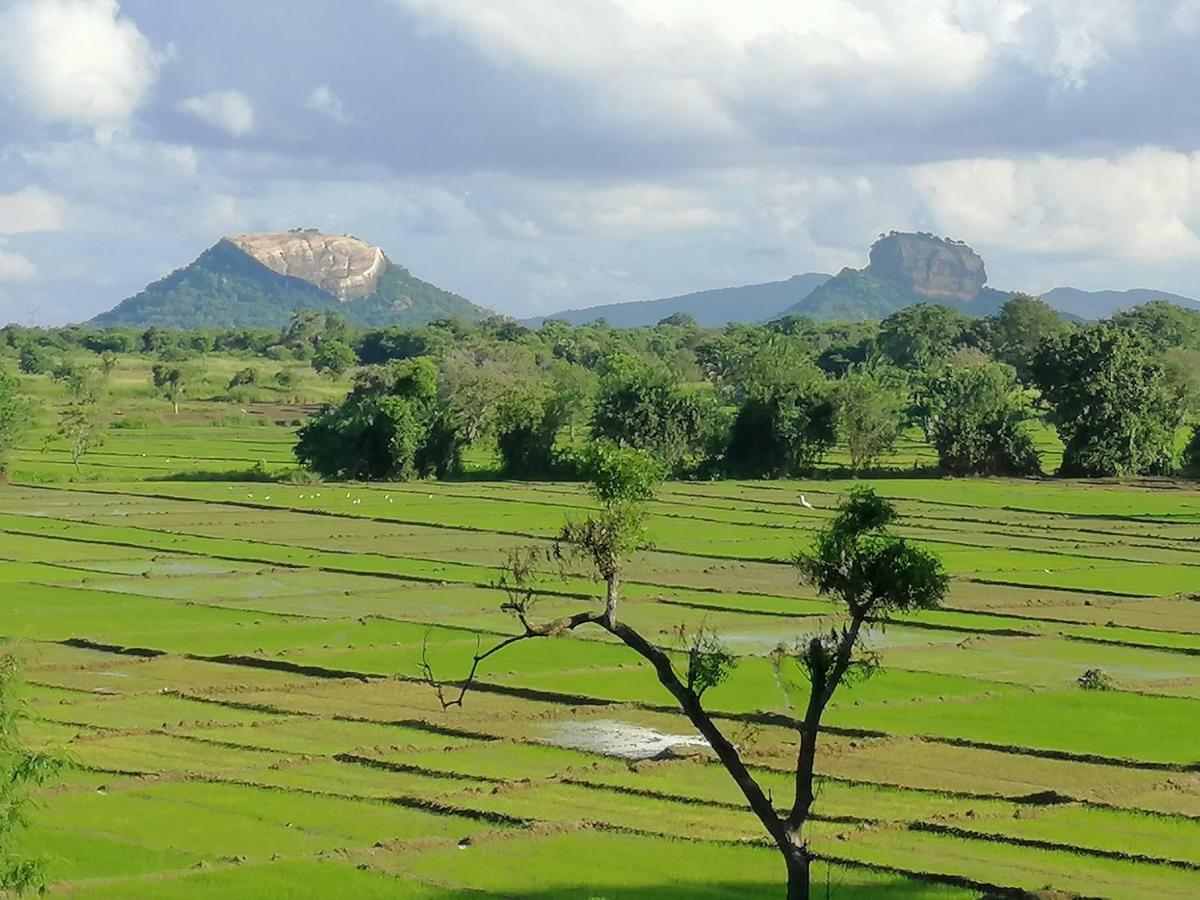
<point>535,155</point>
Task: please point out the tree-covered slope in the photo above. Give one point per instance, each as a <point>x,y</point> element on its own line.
<point>857,294</point>
<point>226,288</point>
<point>711,308</point>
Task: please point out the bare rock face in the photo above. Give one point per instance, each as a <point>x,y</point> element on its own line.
<point>930,266</point>
<point>341,265</point>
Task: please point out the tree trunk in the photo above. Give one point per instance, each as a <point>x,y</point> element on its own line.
<point>176,405</point>
<point>610,598</point>
<point>798,875</point>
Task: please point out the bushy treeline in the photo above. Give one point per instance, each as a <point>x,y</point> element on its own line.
<point>767,400</point>
<point>773,400</point>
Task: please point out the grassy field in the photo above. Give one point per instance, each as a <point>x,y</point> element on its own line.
<point>233,667</point>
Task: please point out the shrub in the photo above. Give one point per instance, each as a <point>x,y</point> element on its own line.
<point>1095,680</point>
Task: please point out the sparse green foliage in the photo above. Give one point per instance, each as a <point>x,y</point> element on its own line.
<point>624,481</point>
<point>246,377</point>
<point>171,383</point>
<point>709,661</point>
<point>1095,680</point>
<point>81,382</point>
<point>875,574</point>
<point>82,426</point>
<point>20,771</point>
<point>285,380</point>
<point>869,418</point>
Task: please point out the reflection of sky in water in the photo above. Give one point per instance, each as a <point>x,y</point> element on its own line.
<point>619,739</point>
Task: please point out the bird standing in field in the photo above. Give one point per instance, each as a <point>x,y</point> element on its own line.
<point>804,502</point>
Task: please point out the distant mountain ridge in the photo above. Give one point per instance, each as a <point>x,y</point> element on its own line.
<point>1100,304</point>
<point>711,308</point>
<point>259,280</point>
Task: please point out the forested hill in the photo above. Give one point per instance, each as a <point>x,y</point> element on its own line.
<point>711,309</point>
<point>259,281</point>
<point>905,269</point>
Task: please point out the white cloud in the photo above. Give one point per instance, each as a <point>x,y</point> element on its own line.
<point>727,71</point>
<point>322,99</point>
<point>76,61</point>
<point>1141,206</point>
<point>30,210</point>
<point>230,111</point>
<point>620,209</point>
<point>14,267</point>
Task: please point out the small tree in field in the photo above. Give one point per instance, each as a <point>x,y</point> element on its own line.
<point>81,422</point>
<point>170,382</point>
<point>82,427</point>
<point>20,770</point>
<point>855,561</point>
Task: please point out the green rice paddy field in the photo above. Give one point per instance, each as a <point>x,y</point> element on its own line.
<point>233,669</point>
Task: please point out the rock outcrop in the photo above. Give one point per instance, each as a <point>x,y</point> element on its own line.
<point>905,268</point>
<point>929,266</point>
<point>340,265</point>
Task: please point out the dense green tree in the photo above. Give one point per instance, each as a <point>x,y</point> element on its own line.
<point>782,434</point>
<point>1019,328</point>
<point>16,417</point>
<point>476,381</point>
<point>1162,325</point>
<point>333,358</point>
<point>1110,401</point>
<point>1191,456</point>
<point>109,341</point>
<point>383,429</point>
<point>769,365</point>
<point>977,416</point>
<point>384,344</point>
<point>35,360</point>
<point>917,336</point>
<point>643,406</point>
<point>525,434</point>
<point>1181,370</point>
<point>870,416</point>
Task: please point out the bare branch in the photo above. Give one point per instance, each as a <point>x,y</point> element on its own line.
<point>531,630</point>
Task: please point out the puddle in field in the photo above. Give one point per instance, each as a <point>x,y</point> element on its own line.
<point>621,739</point>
